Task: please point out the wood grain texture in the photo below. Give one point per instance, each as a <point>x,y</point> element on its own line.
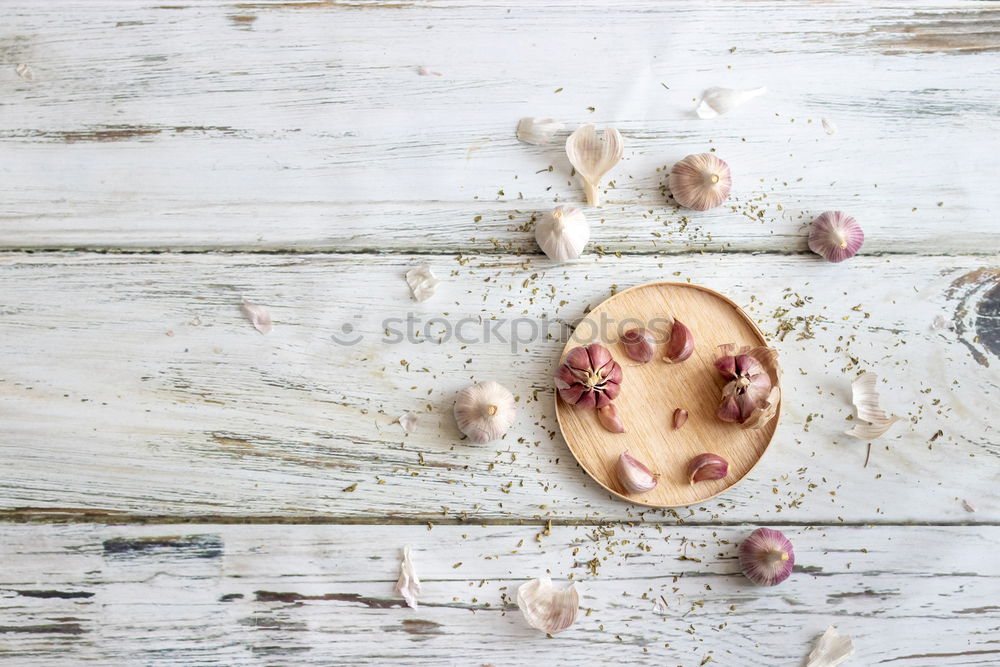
<point>650,393</point>
<point>306,125</point>
<point>140,388</point>
<point>210,594</point>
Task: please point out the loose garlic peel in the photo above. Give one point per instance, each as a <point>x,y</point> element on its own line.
<point>719,101</point>
<point>485,411</point>
<point>547,608</point>
<point>832,648</point>
<point>562,233</point>
<point>408,585</point>
<point>593,157</point>
<point>866,401</point>
<point>538,131</point>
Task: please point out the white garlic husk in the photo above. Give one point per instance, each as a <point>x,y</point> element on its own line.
<point>408,584</point>
<point>593,157</point>
<point>485,411</point>
<point>538,131</point>
<point>547,608</point>
<point>719,101</point>
<point>422,281</point>
<point>562,233</point>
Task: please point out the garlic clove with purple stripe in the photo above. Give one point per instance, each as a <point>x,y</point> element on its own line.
<point>835,236</point>
<point>766,557</point>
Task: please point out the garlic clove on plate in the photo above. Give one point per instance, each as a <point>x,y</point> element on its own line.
<point>707,467</point>
<point>639,344</point>
<point>835,236</point>
<point>766,557</point>
<point>547,608</point>
<point>485,411</point>
<point>634,475</point>
<point>719,101</point>
<point>593,157</point>
<point>422,281</point>
<point>562,233</point>
<point>700,181</point>
<point>680,345</point>
<point>608,416</point>
<point>538,131</point>
<point>680,417</point>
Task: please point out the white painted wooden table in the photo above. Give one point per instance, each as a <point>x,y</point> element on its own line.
<point>178,489</point>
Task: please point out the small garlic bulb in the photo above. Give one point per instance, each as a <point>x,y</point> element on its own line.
<point>767,557</point>
<point>563,233</point>
<point>835,236</point>
<point>485,411</point>
<point>700,182</point>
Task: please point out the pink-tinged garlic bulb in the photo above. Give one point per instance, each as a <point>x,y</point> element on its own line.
<point>835,236</point>
<point>700,181</point>
<point>589,377</point>
<point>767,557</point>
<point>749,397</point>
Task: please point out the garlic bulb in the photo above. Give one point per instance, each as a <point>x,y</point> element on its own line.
<point>588,377</point>
<point>750,397</point>
<point>563,233</point>
<point>634,475</point>
<point>593,157</point>
<point>700,182</point>
<point>546,608</point>
<point>835,236</point>
<point>485,411</point>
<point>766,557</point>
<point>538,131</point>
<point>718,101</point>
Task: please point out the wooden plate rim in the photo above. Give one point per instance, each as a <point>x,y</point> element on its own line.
<point>760,337</point>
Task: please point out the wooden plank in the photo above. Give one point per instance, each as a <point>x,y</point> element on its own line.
<point>134,385</point>
<point>255,126</point>
<point>211,594</point>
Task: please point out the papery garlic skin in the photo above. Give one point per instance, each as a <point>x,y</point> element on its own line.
<point>680,346</point>
<point>593,157</point>
<point>422,281</point>
<point>562,233</point>
<point>546,608</point>
<point>408,584</point>
<point>639,345</point>
<point>766,557</point>
<point>485,411</point>
<point>700,182</point>
<point>588,377</point>
<point>749,397</point>
<point>835,236</point>
<point>832,648</point>
<point>706,467</point>
<point>259,316</point>
<point>608,416</point>
<point>865,397</point>
<point>538,131</point>
<point>718,101</point>
<point>634,475</point>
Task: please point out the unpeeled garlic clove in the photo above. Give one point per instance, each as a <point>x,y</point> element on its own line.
<point>634,475</point>
<point>680,416</point>
<point>681,343</point>
<point>562,233</point>
<point>608,416</point>
<point>707,467</point>
<point>700,182</point>
<point>538,131</point>
<point>718,101</point>
<point>485,411</point>
<point>639,344</point>
<point>547,608</point>
<point>835,236</point>
<point>593,158</point>
<point>766,557</point>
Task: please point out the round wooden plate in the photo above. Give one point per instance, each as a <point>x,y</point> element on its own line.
<point>650,393</point>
